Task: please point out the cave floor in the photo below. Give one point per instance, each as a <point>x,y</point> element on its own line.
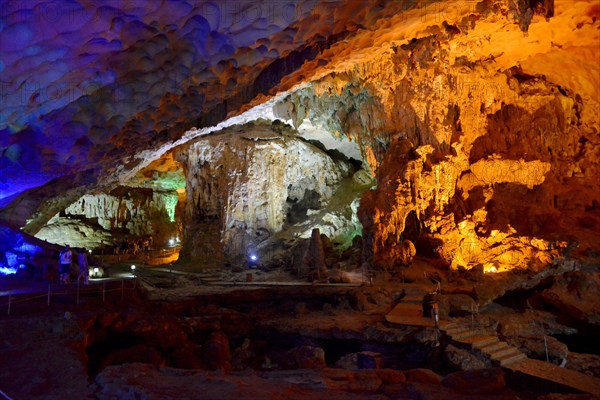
<point>42,346</point>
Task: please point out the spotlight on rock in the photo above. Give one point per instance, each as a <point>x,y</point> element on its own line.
<point>252,261</point>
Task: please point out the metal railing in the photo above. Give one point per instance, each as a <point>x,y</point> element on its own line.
<point>103,286</point>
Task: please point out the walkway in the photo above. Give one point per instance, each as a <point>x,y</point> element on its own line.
<point>409,312</point>
<point>556,374</point>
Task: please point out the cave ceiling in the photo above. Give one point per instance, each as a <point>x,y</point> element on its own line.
<point>500,95</point>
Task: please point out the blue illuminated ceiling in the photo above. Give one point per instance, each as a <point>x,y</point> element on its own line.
<point>81,78</point>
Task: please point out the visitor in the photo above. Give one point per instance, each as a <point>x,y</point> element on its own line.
<point>428,301</point>
<point>84,268</point>
<point>435,313</point>
<point>65,259</point>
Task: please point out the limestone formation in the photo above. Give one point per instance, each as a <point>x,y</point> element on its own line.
<point>96,219</point>
<point>251,184</point>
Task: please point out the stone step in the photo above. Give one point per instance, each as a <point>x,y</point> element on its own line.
<point>463,335</point>
<point>450,325</point>
<point>481,341</point>
<point>503,352</point>
<point>459,331</point>
<point>456,328</point>
<point>492,347</point>
<point>511,359</point>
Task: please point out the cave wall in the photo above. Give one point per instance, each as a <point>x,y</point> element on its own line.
<point>245,186</point>
<point>478,119</point>
<point>518,184</point>
<point>499,165</point>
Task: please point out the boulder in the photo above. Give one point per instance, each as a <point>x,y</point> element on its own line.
<point>349,362</point>
<point>588,364</point>
<point>164,333</point>
<point>391,376</point>
<point>422,375</point>
<point>534,347</point>
<point>361,360</point>
<point>355,381</point>
<point>186,357</point>
<point>457,304</point>
<point>243,356</point>
<point>216,353</point>
<point>360,301</point>
<point>476,382</point>
<point>464,360</point>
<point>577,294</point>
<point>305,357</point>
<point>369,360</point>
<point>335,275</point>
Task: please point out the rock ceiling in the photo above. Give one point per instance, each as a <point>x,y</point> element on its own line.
<point>470,114</point>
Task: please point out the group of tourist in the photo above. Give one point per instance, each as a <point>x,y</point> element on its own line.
<point>66,261</point>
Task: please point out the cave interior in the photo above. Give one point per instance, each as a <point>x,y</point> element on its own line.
<point>282,189</point>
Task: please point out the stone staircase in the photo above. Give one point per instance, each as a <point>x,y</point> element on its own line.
<point>408,312</point>
<point>499,352</point>
<point>506,356</point>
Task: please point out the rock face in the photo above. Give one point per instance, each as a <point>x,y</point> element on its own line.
<point>95,219</point>
<point>479,382</point>
<point>483,142</point>
<point>577,294</point>
<point>249,184</point>
<point>467,182</point>
<point>464,360</point>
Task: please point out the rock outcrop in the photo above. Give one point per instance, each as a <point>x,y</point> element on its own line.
<point>249,184</point>
<point>102,219</point>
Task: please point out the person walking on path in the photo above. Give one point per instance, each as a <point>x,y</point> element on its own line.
<point>84,267</point>
<point>65,259</point>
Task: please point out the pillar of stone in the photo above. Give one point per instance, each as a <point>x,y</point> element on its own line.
<point>313,262</point>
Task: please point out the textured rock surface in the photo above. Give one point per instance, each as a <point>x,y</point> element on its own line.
<point>576,294</point>
<point>101,219</point>
<point>464,360</point>
<point>251,183</point>
<point>482,381</point>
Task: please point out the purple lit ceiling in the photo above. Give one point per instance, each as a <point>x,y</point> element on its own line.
<point>73,73</point>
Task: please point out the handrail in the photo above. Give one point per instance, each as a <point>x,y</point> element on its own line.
<point>65,290</point>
